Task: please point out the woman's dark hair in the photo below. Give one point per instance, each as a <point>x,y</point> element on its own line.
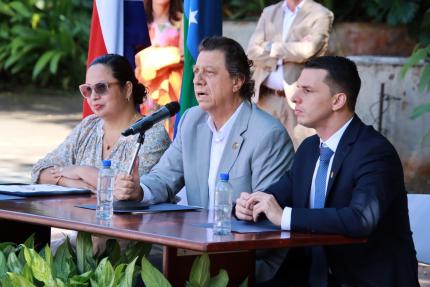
<point>123,72</point>
<point>236,61</point>
<point>174,11</point>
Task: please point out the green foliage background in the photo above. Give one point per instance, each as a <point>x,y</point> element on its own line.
<point>44,41</point>
<point>415,14</point>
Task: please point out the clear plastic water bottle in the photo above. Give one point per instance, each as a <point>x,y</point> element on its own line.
<point>222,206</point>
<point>105,191</point>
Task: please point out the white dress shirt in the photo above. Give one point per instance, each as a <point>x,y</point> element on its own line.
<point>275,80</point>
<point>219,140</point>
<point>332,143</point>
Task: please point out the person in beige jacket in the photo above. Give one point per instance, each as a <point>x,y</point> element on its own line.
<point>288,34</point>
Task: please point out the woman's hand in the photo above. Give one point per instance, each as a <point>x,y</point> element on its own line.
<point>68,182</point>
<point>87,174</point>
<point>71,171</point>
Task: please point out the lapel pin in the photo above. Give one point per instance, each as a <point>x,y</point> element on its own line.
<point>235,146</point>
<point>331,175</point>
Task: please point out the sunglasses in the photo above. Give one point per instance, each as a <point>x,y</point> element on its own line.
<point>99,88</point>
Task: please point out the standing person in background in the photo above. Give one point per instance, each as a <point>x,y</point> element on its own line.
<point>287,35</point>
<point>160,66</point>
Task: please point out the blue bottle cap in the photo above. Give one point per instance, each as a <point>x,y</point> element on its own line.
<point>106,163</point>
<point>224,176</point>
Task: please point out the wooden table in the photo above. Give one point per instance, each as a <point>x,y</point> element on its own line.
<point>175,230</point>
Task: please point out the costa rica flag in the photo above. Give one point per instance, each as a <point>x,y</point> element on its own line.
<point>117,27</point>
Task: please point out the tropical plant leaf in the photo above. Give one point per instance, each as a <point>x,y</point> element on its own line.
<point>27,273</point>
<point>425,79</point>
<point>9,249</point>
<point>63,266</point>
<point>41,63</point>
<point>220,280</point>
<point>40,268</point>
<point>59,283</point>
<point>244,283</point>
<point>81,280</point>
<point>414,59</point>
<point>53,65</point>
<point>200,272</point>
<point>112,250</point>
<point>119,273</point>
<point>6,247</point>
<point>18,280</point>
<point>5,282</point>
<point>29,242</point>
<point>425,138</point>
<point>420,110</point>
<point>127,279</point>
<point>104,274</point>
<point>48,256</point>
<point>13,264</point>
<point>11,60</point>
<point>136,248</point>
<point>3,265</point>
<point>6,10</point>
<point>84,253</point>
<point>70,248</point>
<point>20,8</point>
<point>32,28</point>
<point>151,276</point>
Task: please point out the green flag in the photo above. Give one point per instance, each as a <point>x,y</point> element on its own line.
<point>202,19</point>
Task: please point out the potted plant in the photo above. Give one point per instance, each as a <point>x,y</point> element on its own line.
<point>21,265</point>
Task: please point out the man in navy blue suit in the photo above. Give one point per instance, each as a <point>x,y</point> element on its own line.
<point>347,179</point>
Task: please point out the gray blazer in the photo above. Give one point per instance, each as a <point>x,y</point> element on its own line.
<point>257,153</point>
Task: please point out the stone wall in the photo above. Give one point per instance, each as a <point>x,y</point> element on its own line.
<point>346,38</point>
<point>391,115</point>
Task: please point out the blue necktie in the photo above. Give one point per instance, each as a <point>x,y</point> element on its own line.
<point>321,177</point>
<point>319,268</point>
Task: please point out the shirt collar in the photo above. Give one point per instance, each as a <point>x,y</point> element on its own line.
<point>286,9</point>
<point>220,134</point>
<point>334,140</point>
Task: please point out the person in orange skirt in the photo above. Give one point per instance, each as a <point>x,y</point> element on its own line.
<point>160,66</point>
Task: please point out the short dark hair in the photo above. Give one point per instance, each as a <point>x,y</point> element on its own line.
<point>236,61</point>
<point>123,72</point>
<point>342,76</point>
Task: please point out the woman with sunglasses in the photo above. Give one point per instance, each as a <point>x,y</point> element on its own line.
<point>114,95</point>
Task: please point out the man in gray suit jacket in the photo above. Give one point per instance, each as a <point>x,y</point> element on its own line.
<point>226,133</point>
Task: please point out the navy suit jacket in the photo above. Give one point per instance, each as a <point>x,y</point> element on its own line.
<point>366,197</point>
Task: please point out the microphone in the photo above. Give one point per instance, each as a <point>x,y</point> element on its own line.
<point>146,123</point>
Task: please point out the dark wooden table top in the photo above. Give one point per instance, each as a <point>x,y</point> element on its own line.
<point>174,229</point>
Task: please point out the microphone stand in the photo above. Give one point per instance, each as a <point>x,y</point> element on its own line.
<point>139,143</point>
